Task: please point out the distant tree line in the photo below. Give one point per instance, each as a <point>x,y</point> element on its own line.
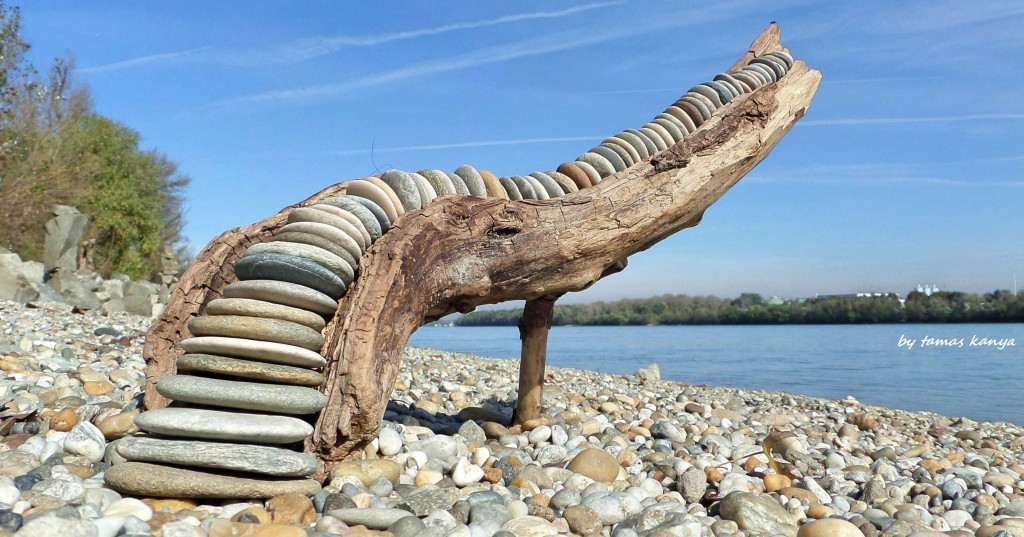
<point>750,308</point>
<point>55,149</point>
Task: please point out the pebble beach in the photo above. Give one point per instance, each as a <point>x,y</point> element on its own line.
<point>611,455</point>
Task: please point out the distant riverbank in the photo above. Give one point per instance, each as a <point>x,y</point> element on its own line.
<point>911,366</point>
<point>752,309</point>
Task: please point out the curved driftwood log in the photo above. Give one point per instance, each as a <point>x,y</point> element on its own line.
<point>462,252</point>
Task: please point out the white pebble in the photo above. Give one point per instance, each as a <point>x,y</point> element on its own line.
<point>540,434</point>
<point>517,508</point>
<point>480,456</point>
<point>108,526</point>
<point>465,473</point>
<point>9,494</point>
<point>129,507</point>
<point>389,443</point>
<point>86,440</point>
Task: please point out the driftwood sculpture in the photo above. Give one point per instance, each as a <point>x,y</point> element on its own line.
<point>423,248</point>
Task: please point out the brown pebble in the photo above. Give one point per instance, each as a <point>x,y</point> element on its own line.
<point>714,474</point>
<point>776,482</point>
<point>492,475</point>
<point>172,505</point>
<point>291,509</point>
<point>64,421</point>
<point>96,388</point>
<point>118,425</point>
<point>805,495</point>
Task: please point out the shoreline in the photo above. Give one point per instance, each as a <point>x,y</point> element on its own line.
<point>672,453</point>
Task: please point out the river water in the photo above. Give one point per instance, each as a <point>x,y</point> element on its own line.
<point>973,370</point>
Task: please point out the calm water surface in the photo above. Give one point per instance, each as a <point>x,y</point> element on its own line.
<point>865,361</point>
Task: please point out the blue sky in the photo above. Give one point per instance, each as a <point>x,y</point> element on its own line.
<point>908,168</point>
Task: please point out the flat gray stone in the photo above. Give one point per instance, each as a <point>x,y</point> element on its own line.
<point>563,181</point>
<point>288,294</point>
<point>372,220</point>
<point>219,425</point>
<point>736,85</point>
<point>679,125</point>
<point>474,182</point>
<point>263,329</point>
<point>644,139</point>
<point>440,181</point>
<point>263,351</point>
<point>237,457</point>
<point>767,73</point>
<point>701,103</point>
<point>750,80</point>
<point>684,119</point>
<point>325,258</point>
<point>637,143</point>
<point>784,56</point>
<point>723,90</point>
<point>427,192</point>
<point>374,518</point>
<point>758,73</point>
<point>709,93</point>
<point>309,214</point>
<point>618,151</point>
<point>289,268</point>
<point>591,172</point>
<point>773,64</point>
<point>405,187</point>
<point>758,513</point>
<point>460,185</point>
<point>538,188</point>
<point>362,235</point>
<point>692,111</point>
<point>550,184</point>
<point>365,189</point>
<point>631,151</point>
<point>525,187</point>
<point>510,188</point>
<point>296,237</point>
<point>669,125</point>
<point>152,480</point>
<point>242,395</point>
<point>708,103</point>
<point>260,308</point>
<point>330,233</point>
<point>666,138</point>
<point>248,369</point>
<point>603,166</point>
<point>655,138</point>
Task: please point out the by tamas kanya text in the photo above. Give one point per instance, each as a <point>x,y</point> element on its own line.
<point>958,343</point>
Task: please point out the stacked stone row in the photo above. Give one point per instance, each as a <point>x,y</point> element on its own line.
<point>245,392</point>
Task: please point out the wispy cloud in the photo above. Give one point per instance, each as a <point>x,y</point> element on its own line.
<point>146,60</point>
<point>899,173</point>
<point>532,47</point>
<point>909,120</point>
<point>882,179</point>
<point>536,46</point>
<point>309,48</point>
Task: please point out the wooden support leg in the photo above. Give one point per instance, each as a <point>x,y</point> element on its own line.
<point>533,330</point>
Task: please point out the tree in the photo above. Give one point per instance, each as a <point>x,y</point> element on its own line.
<point>54,149</point>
